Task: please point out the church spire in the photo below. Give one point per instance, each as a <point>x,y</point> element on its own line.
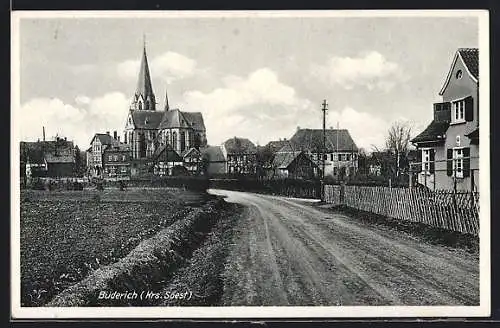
<point>167,107</point>
<point>144,98</point>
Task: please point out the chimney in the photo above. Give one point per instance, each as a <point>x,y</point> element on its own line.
<point>118,138</point>
<point>107,132</point>
<point>115,135</point>
<point>298,128</point>
<point>43,133</point>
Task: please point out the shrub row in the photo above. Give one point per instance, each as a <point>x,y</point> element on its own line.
<point>283,187</point>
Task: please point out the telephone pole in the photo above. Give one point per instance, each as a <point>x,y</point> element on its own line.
<point>324,108</point>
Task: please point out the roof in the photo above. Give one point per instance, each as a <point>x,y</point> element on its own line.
<point>36,152</point>
<point>144,86</point>
<point>61,158</point>
<point>312,140</point>
<point>117,146</point>
<point>283,159</point>
<point>435,131</point>
<point>146,119</point>
<point>190,151</point>
<point>214,153</point>
<point>169,154</point>
<point>196,120</point>
<point>240,146</point>
<point>175,118</point>
<point>104,138</point>
<point>470,58</point>
<point>474,134</point>
<point>276,145</point>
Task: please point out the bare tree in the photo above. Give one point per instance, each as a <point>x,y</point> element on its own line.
<point>398,141</point>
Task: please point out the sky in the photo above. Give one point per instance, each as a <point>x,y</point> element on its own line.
<point>254,77</point>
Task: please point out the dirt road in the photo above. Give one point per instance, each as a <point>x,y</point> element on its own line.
<point>287,253</point>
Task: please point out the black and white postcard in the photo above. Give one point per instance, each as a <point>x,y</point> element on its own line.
<point>251,164</point>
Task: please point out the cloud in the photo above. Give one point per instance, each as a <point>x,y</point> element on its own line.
<point>78,122</point>
<point>169,65</point>
<point>372,71</point>
<point>256,106</point>
<point>365,128</point>
<point>82,100</point>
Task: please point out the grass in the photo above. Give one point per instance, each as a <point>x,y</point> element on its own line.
<point>427,233</point>
<point>67,234</point>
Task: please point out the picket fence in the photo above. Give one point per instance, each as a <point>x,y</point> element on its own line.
<point>445,209</point>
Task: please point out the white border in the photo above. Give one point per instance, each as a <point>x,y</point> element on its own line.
<point>483,310</point>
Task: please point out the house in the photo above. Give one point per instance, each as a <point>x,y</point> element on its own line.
<point>384,163</point>
<point>48,159</point>
<point>192,161</point>
<point>293,164</point>
<point>95,153</point>
<point>164,160</point>
<point>341,155</point>
<point>147,128</point>
<point>240,155</point>
<point>215,161</point>
<point>108,157</point>
<point>449,145</point>
<point>116,161</point>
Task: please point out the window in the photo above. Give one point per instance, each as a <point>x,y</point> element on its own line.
<point>341,157</point>
<point>116,158</point>
<point>331,157</point>
<point>348,157</point>
<point>428,160</point>
<point>124,158</point>
<point>458,113</point>
<point>458,162</point>
<point>110,158</point>
<point>459,74</point>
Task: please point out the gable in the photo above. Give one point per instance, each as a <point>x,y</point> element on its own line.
<point>465,60</point>
<point>129,125</point>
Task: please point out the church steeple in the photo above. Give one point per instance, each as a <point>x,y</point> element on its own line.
<point>167,107</point>
<point>144,98</point>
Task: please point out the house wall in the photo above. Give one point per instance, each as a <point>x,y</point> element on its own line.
<point>55,170</point>
<point>216,168</point>
<point>332,161</point>
<point>458,89</point>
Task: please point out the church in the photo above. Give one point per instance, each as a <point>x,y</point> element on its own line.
<point>148,129</point>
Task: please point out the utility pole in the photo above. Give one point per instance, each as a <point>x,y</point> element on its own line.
<point>324,108</point>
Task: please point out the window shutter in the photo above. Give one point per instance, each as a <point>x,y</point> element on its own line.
<point>431,164</point>
<point>469,109</point>
<point>466,168</point>
<point>449,162</point>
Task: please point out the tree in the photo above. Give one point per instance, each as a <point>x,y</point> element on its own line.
<point>78,161</point>
<point>398,142</point>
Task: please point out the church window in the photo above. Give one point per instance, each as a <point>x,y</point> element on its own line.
<point>174,140</point>
<point>183,140</point>
<point>140,105</point>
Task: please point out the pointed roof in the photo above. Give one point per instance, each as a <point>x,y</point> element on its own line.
<point>470,59</point>
<point>144,82</point>
<point>174,119</point>
<point>167,107</point>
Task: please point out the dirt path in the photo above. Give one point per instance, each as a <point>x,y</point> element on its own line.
<point>288,253</point>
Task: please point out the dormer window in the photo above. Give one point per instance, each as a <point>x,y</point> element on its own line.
<point>458,111</point>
